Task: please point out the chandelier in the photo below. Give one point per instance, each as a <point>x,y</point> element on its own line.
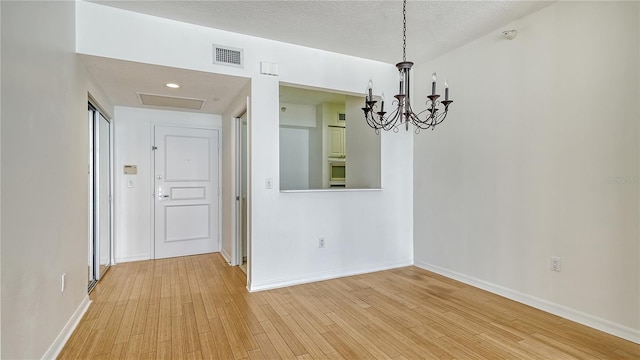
<point>435,112</point>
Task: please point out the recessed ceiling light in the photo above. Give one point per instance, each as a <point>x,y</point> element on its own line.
<point>172,85</point>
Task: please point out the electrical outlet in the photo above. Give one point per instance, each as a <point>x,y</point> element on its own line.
<point>321,243</point>
<point>63,282</point>
<point>555,263</point>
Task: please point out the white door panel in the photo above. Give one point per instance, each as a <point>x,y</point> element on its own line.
<point>187,222</point>
<point>186,191</point>
<point>188,158</point>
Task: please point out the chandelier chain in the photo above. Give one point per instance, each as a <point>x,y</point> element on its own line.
<point>404,30</point>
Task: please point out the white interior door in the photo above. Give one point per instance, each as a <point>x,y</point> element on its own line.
<point>186,191</point>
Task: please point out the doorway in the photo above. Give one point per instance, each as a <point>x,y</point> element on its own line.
<point>100,204</point>
<point>186,191</point>
<point>241,192</point>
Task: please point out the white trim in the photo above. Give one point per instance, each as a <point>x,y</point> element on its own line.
<point>248,229</point>
<point>67,330</point>
<point>236,185</point>
<point>133,258</point>
<point>225,255</point>
<point>309,278</point>
<point>112,191</point>
<point>580,317</point>
<point>219,131</point>
<point>331,190</point>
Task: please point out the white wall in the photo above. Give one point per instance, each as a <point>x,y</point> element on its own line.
<point>317,157</point>
<point>294,158</point>
<point>298,115</point>
<point>133,129</point>
<point>98,36</point>
<point>363,149</point>
<point>238,107</point>
<point>540,157</point>
<point>284,227</point>
<point>298,150</point>
<point>44,177</point>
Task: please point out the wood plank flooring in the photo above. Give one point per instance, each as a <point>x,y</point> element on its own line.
<point>197,307</point>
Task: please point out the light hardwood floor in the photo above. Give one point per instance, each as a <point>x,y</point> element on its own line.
<point>197,307</point>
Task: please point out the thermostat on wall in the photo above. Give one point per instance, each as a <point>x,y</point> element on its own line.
<point>131,169</point>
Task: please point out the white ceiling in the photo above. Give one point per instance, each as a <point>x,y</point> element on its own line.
<point>369,29</point>
<point>123,80</point>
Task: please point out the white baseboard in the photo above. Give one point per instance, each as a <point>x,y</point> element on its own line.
<point>309,278</point>
<point>61,340</point>
<point>133,258</point>
<point>226,256</point>
<point>580,317</point>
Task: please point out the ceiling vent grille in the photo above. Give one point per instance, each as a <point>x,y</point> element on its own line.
<point>171,101</point>
<point>228,56</point>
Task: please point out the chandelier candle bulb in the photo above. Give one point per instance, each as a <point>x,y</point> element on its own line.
<point>446,90</point>
<point>370,90</point>
<point>433,84</point>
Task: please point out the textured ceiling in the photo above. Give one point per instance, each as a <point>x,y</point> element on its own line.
<point>369,29</point>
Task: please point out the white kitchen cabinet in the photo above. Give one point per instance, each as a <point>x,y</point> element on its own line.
<point>336,142</point>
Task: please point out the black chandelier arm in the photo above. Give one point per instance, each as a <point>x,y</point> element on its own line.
<point>429,109</point>
<point>369,113</point>
<point>375,120</point>
<point>390,122</point>
<point>419,123</point>
<point>435,118</point>
<point>435,113</point>
<point>378,120</point>
<point>371,121</point>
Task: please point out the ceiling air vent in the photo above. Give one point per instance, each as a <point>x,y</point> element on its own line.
<point>227,56</point>
<point>171,101</point>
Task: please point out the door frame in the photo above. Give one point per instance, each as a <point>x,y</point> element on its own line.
<point>236,257</point>
<point>93,229</point>
<point>153,124</point>
<point>237,193</point>
<point>237,243</point>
